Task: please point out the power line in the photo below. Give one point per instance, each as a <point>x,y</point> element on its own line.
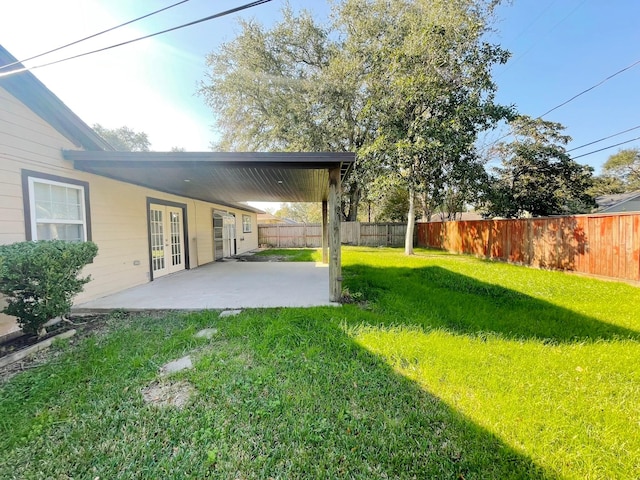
<point>576,96</point>
<point>606,148</point>
<point>210,17</point>
<point>91,36</point>
<point>591,88</point>
<point>604,138</point>
<point>519,57</point>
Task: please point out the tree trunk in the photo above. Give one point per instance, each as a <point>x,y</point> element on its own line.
<point>427,210</point>
<point>411,221</point>
<point>354,200</point>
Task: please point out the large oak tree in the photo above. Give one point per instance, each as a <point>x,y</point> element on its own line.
<point>406,85</point>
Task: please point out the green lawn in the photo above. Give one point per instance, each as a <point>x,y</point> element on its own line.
<point>293,254</point>
<point>449,368</point>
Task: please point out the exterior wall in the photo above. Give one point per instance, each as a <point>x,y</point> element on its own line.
<point>246,240</point>
<point>118,210</point>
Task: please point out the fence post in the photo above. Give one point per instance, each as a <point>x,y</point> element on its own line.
<point>278,236</point>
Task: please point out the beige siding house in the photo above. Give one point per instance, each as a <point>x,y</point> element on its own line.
<point>141,233</point>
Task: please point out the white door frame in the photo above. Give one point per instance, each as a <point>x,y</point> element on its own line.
<point>167,236</point>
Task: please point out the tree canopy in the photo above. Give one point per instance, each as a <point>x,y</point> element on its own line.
<point>406,85</point>
<point>124,139</point>
<point>301,212</point>
<point>537,176</point>
<point>624,167</point>
<point>282,89</point>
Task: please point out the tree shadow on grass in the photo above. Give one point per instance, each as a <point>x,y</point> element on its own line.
<point>282,393</point>
<point>325,407</point>
<point>434,297</point>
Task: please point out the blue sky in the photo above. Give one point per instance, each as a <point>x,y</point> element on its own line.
<point>560,47</point>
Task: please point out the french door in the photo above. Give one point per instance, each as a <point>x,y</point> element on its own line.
<point>167,239</point>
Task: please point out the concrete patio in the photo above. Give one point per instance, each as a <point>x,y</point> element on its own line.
<point>225,285</point>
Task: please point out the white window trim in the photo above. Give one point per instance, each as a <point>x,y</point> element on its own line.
<point>32,207</point>
<point>246,227</point>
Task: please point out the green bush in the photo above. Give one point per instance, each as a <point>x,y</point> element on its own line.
<point>40,279</point>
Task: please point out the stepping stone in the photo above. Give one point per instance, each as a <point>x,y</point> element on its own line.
<point>207,333</point>
<point>183,363</point>
<point>230,313</point>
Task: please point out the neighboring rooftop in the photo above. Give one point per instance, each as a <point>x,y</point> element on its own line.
<point>607,202</point>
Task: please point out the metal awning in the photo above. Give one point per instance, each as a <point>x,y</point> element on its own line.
<point>221,177</point>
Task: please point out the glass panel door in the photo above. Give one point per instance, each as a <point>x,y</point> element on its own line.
<point>166,230</point>
<point>175,240</point>
<point>158,261</point>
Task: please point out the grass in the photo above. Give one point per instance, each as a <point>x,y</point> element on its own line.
<point>293,254</point>
<point>451,367</point>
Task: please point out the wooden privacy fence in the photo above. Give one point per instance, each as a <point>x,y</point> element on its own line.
<point>607,245</point>
<point>351,233</point>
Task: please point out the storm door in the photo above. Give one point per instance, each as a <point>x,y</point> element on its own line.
<point>167,239</point>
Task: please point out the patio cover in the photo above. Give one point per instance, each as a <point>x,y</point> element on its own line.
<point>231,178</point>
<point>221,177</point>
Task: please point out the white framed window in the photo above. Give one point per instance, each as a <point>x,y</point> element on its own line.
<point>57,209</point>
<point>246,223</point>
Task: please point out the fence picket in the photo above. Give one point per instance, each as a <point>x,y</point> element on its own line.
<point>607,245</point>
<point>351,233</point>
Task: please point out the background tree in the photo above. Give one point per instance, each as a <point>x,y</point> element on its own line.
<point>624,166</point>
<point>430,90</point>
<point>389,200</point>
<point>302,212</point>
<point>537,176</point>
<point>124,139</point>
<point>606,185</point>
<point>406,85</point>
<point>287,88</point>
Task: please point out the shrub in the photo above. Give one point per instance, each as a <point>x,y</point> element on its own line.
<point>40,279</point>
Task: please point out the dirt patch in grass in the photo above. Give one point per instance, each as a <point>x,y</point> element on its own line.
<point>168,394</point>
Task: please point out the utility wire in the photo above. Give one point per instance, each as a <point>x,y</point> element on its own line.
<point>573,98</point>
<point>606,148</point>
<point>591,88</point>
<point>91,36</point>
<point>210,17</point>
<point>604,138</point>
<point>519,57</point>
